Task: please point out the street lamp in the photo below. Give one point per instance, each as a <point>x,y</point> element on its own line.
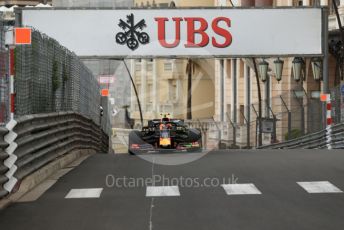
<point>316,68</point>
<point>278,68</point>
<point>263,70</point>
<point>297,67</point>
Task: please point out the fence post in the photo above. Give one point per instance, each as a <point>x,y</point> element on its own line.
<point>289,118</point>
<point>204,129</point>
<point>234,129</point>
<point>289,125</point>
<point>303,120</point>
<point>300,102</point>
<point>205,139</point>
<point>218,133</point>
<point>11,82</point>
<point>328,122</point>
<point>247,130</point>
<point>254,109</point>
<point>274,134</point>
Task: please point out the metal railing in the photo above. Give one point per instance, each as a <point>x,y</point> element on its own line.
<point>32,141</point>
<point>219,134</point>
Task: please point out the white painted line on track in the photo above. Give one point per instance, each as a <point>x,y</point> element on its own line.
<point>159,191</point>
<point>319,187</point>
<point>240,189</point>
<point>84,193</point>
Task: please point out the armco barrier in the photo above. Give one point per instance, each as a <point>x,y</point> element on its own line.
<point>32,141</point>
<point>318,140</point>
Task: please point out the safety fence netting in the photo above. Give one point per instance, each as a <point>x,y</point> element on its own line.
<point>50,78</point>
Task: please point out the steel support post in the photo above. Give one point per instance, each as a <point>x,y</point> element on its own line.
<point>135,90</point>
<point>247,104</point>
<point>302,113</point>
<point>289,118</point>
<point>222,89</point>
<point>234,129</point>
<point>254,109</point>
<point>325,76</point>
<point>274,134</point>
<point>325,86</point>
<point>234,89</point>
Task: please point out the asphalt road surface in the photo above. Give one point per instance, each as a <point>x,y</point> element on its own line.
<point>279,190</point>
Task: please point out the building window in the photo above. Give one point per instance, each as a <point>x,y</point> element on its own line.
<point>167,66</point>
<point>137,66</point>
<point>149,66</point>
<point>163,5</point>
<point>172,90</point>
<point>150,93</point>
<point>229,111</point>
<point>242,67</point>
<point>138,89</point>
<point>228,65</point>
<point>297,2</point>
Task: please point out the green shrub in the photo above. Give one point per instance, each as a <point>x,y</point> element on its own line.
<point>295,133</point>
<point>55,77</point>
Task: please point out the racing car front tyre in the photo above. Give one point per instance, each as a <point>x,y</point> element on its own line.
<point>134,138</point>
<point>198,149</point>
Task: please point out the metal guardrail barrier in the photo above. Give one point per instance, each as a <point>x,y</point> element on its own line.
<point>318,140</point>
<point>225,134</point>
<point>32,141</point>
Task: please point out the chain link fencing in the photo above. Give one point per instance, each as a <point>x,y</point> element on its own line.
<point>50,78</point>
<point>4,78</point>
<point>290,115</point>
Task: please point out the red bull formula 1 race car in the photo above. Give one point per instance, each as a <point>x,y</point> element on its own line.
<point>164,135</point>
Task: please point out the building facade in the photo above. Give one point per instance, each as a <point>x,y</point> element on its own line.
<point>292,104</point>
<point>162,84</point>
<point>223,90</point>
<point>10,3</point>
<point>229,92</point>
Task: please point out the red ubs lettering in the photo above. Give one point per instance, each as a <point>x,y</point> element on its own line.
<point>192,31</point>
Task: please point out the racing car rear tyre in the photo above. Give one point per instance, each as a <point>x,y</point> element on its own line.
<point>195,135</point>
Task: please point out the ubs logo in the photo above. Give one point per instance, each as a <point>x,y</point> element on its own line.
<point>132,34</point>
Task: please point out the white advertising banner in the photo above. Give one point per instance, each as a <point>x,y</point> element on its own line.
<point>190,32</point>
<point>106,79</point>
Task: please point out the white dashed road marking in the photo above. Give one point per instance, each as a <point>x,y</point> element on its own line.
<point>319,187</point>
<point>158,191</point>
<point>240,189</point>
<point>84,193</point>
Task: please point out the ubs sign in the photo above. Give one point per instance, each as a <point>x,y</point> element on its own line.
<point>133,34</point>
<point>191,32</point>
